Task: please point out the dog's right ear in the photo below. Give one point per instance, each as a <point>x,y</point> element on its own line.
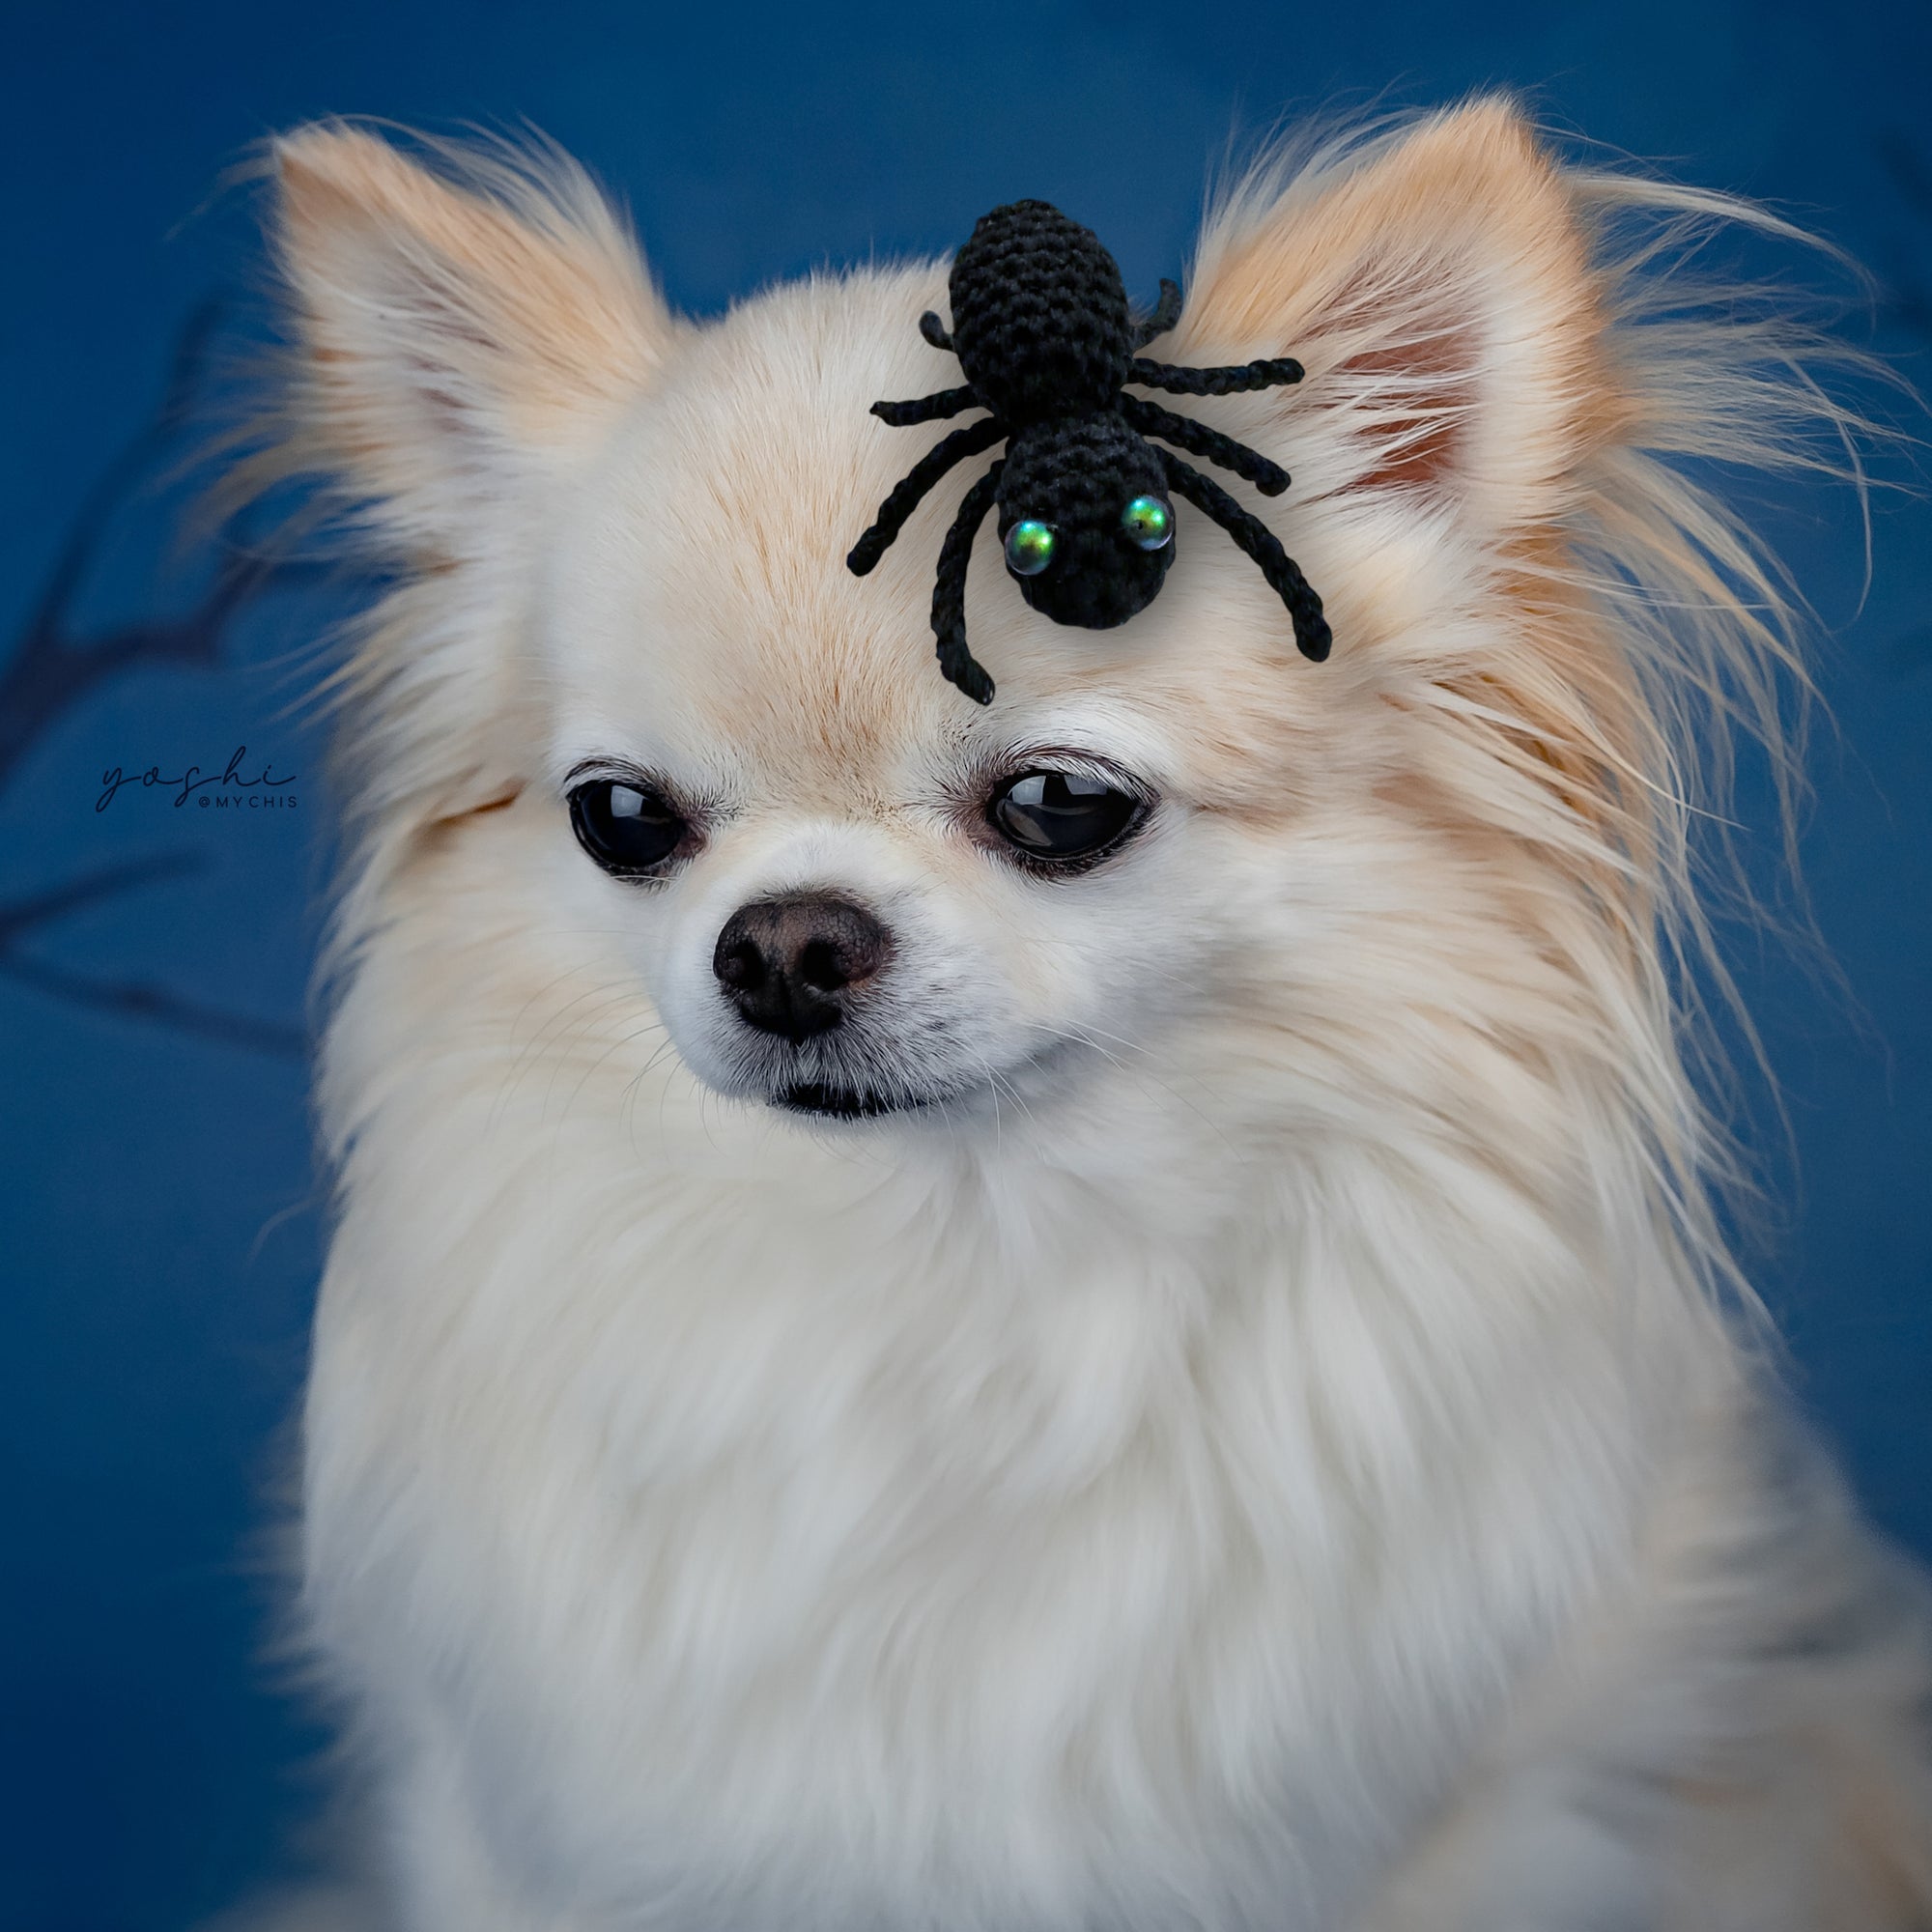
<point>455,338</point>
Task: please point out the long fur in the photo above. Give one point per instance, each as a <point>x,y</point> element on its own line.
<point>1280,1442</point>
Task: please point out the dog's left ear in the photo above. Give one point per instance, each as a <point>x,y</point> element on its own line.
<point>1438,289</point>
<point>456,334</point>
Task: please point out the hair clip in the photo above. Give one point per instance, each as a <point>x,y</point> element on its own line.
<point>1044,337</point>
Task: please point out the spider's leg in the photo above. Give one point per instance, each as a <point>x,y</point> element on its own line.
<point>1166,313</point>
<point>935,330</point>
<point>1230,380</point>
<point>949,592</point>
<point>1198,439</point>
<point>913,486</point>
<point>1311,628</point>
<point>928,408</point>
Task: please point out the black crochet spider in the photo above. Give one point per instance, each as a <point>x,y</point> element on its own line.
<point>1042,331</point>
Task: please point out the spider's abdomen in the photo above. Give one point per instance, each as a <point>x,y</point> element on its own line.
<point>1039,315</point>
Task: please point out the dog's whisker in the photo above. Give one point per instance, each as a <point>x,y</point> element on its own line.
<point>551,1041</point>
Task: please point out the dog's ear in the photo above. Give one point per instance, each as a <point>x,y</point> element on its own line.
<point>453,340</point>
<point>1436,287</point>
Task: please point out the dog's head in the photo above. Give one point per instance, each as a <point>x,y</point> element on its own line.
<point>1174,862</point>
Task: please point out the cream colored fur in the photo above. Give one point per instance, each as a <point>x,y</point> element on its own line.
<point>1269,1448</point>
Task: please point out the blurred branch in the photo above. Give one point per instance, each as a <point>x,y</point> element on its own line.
<point>51,670</point>
<point>130,998</point>
<point>23,915</point>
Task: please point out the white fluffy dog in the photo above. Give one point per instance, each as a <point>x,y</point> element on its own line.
<point>1170,1371</point>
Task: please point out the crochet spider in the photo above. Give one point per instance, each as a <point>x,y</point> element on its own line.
<point>1044,337</point>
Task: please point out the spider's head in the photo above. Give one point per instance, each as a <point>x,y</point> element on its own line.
<point>1085,522</point>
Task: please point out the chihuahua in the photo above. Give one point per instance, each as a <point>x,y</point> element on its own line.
<point>1103,1312</point>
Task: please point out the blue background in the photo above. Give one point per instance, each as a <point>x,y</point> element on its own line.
<point>162,1231</point>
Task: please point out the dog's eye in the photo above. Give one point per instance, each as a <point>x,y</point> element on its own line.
<point>1029,547</point>
<point>1056,816</point>
<point>627,828</point>
<point>1148,523</point>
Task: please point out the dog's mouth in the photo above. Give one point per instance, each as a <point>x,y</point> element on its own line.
<point>828,1100</point>
<point>843,1103</point>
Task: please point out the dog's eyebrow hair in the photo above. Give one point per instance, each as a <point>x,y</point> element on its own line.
<point>604,765</point>
<point>1056,754</point>
<point>705,805</point>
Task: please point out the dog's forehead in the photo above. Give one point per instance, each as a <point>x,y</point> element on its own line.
<point>709,566</point>
<point>702,607</point>
<point>701,584</point>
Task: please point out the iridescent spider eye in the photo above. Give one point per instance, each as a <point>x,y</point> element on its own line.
<point>1029,547</point>
<point>1148,523</point>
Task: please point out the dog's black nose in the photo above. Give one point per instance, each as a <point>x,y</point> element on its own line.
<point>791,965</point>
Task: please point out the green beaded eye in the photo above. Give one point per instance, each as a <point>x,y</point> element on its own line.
<point>1148,523</point>
<point>1029,547</point>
